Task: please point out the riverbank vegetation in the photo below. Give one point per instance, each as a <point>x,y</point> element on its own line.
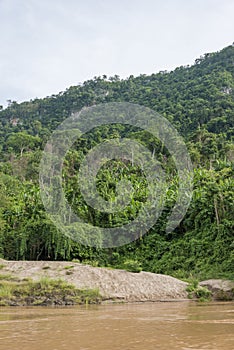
<point>43,292</point>
<point>198,292</point>
<point>199,101</point>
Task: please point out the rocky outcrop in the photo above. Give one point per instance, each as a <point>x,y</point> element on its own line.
<point>220,289</point>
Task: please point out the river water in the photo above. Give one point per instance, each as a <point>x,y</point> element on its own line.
<point>148,326</point>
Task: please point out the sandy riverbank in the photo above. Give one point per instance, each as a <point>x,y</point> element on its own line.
<point>113,284</point>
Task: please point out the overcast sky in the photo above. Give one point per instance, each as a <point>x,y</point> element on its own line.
<point>49,45</point>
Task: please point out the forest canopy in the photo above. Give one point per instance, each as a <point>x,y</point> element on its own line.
<point>198,101</point>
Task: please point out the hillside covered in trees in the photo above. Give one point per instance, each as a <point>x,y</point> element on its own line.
<point>199,101</point>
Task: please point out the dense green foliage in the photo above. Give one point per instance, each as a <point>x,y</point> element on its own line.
<point>199,102</point>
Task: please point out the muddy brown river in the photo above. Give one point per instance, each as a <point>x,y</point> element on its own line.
<point>148,326</point>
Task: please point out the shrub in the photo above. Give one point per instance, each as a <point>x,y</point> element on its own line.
<point>132,266</point>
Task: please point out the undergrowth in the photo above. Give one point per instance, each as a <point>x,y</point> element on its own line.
<point>44,292</point>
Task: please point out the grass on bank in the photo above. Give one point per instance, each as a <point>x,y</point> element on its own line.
<point>44,292</point>
<point>197,292</point>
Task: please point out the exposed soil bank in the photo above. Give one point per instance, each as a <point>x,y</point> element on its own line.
<point>95,284</point>
<point>116,285</point>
